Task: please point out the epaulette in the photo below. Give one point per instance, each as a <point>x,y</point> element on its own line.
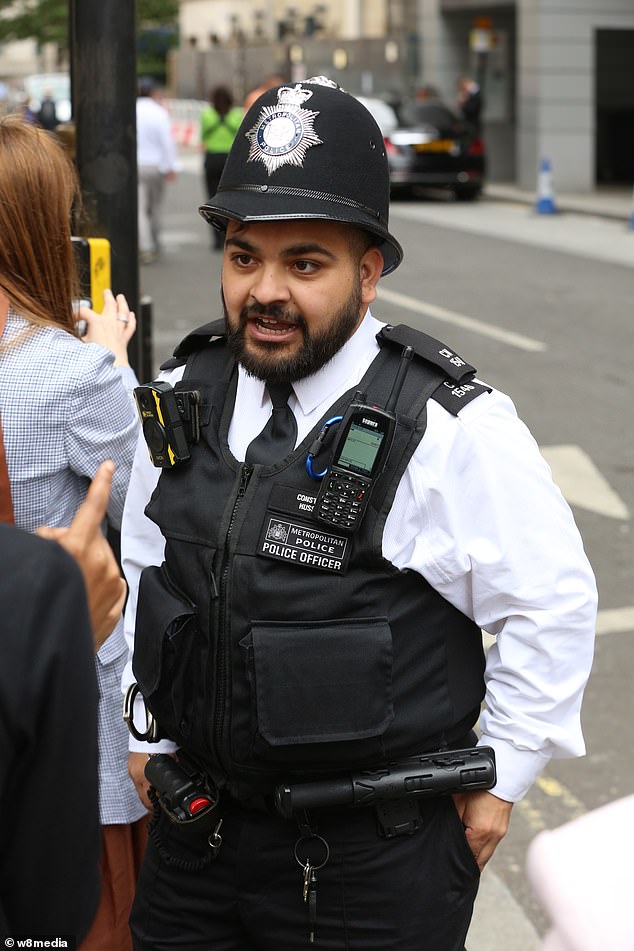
<point>430,349</point>
<point>194,340</point>
<point>454,398</point>
<point>460,387</point>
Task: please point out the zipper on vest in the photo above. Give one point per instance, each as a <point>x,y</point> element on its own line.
<point>223,649</point>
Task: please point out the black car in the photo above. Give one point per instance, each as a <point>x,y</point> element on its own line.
<point>431,146</point>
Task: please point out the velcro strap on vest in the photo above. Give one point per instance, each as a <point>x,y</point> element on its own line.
<point>195,340</point>
<point>430,349</point>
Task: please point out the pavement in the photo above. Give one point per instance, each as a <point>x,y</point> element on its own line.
<point>595,226</point>
<point>606,201</point>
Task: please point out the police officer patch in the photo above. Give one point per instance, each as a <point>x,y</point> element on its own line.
<point>283,133</point>
<point>287,535</point>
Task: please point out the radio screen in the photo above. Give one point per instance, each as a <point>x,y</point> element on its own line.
<point>360,449</point>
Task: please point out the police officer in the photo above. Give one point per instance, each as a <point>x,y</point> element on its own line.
<point>281,641</point>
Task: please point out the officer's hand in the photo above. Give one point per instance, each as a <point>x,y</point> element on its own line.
<point>485,818</point>
<point>84,540</point>
<point>136,769</point>
<point>112,328</point>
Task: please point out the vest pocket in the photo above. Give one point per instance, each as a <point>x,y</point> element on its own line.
<point>321,682</point>
<point>165,639</point>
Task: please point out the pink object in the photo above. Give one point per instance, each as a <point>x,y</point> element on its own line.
<point>583,874</point>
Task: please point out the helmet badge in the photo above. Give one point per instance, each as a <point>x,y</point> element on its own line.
<point>283,133</point>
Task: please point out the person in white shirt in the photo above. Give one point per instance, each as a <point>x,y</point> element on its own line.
<point>157,163</point>
<point>277,642</point>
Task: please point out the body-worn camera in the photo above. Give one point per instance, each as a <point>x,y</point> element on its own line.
<point>170,420</point>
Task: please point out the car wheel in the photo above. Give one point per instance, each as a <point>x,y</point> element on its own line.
<point>467,192</point>
<point>401,192</point>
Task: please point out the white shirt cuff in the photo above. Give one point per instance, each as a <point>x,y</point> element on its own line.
<point>516,769</point>
<point>163,746</point>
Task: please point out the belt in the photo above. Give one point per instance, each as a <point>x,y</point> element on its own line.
<point>385,819</point>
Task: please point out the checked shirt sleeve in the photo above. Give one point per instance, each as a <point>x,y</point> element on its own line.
<point>102,423</point>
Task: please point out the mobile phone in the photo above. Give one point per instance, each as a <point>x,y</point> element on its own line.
<point>80,323</point>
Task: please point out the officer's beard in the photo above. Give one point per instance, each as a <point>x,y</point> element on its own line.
<point>270,363</point>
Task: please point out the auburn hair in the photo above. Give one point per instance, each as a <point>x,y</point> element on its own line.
<point>38,186</point>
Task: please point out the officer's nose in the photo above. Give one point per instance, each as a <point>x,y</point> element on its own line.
<point>270,286</point>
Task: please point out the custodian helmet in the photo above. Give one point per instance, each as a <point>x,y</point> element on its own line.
<point>308,150</point>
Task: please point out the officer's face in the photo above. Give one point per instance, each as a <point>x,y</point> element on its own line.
<point>294,292</point>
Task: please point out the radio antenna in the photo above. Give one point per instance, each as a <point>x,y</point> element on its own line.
<point>401,373</point>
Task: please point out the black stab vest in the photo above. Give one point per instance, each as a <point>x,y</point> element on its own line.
<point>273,647</point>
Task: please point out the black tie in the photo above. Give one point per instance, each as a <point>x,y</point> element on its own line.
<point>277,438</point>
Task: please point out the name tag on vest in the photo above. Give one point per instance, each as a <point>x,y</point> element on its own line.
<point>286,537</point>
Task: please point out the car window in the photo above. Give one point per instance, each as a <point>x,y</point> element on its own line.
<point>383,114</point>
<point>427,113</point>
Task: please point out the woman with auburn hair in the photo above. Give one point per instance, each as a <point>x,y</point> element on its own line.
<point>65,406</point>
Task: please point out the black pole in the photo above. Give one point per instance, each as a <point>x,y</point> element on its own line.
<point>103,71</point>
<point>145,319</point>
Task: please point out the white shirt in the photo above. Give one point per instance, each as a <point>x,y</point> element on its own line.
<point>478,516</point>
<point>154,143</point>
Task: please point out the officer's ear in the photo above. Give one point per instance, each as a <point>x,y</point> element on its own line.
<point>370,270</point>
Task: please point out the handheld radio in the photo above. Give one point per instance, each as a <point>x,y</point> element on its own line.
<point>359,457</point>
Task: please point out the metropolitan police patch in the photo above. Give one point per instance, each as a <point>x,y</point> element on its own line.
<point>283,133</point>
<point>287,534</point>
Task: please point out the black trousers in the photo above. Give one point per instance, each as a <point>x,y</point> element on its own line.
<point>409,893</point>
<point>214,164</point>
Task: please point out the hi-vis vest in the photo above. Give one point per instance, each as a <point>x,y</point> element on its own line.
<point>271,646</point>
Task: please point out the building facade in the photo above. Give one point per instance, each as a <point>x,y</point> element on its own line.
<point>204,23</point>
<point>362,44</point>
<point>557,77</point>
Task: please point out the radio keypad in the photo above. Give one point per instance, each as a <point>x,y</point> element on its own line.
<point>343,501</point>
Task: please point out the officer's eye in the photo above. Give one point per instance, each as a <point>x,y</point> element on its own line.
<point>242,259</point>
<point>306,267</point>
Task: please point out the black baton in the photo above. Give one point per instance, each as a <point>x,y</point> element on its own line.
<point>432,774</point>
